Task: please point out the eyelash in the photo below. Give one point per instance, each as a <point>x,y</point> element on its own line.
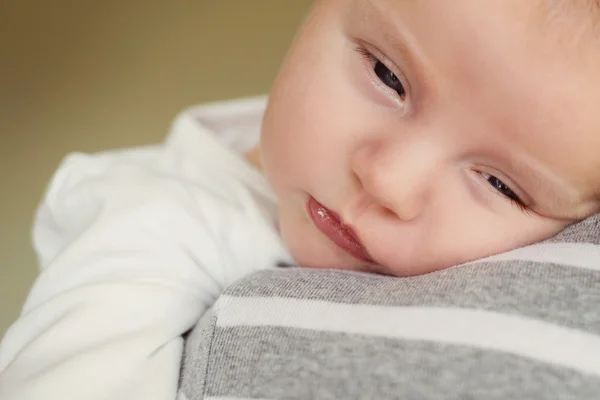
<point>512,197</point>
<point>376,62</point>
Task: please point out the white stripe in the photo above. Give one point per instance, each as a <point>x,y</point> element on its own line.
<point>581,255</point>
<point>522,336</point>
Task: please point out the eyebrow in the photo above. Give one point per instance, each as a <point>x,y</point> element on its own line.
<point>398,39</point>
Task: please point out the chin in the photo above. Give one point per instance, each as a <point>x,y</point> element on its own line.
<point>322,260</point>
<point>318,255</point>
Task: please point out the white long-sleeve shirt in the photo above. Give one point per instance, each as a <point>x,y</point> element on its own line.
<point>134,245</point>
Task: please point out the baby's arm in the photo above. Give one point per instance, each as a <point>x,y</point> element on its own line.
<point>129,256</point>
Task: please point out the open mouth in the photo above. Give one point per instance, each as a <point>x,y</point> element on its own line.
<point>331,226</point>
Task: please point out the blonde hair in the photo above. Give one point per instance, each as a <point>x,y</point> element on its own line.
<point>581,15</point>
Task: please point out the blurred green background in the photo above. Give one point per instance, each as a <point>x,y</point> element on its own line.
<point>94,75</point>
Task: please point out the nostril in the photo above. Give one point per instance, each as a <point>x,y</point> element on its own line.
<point>388,212</point>
<point>362,163</point>
<point>356,179</point>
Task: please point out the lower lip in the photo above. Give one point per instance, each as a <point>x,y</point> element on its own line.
<point>330,225</point>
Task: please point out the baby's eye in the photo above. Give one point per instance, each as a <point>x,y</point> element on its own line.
<point>384,74</point>
<point>501,187</point>
<point>389,78</point>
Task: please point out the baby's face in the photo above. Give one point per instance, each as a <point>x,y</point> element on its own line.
<point>437,132</point>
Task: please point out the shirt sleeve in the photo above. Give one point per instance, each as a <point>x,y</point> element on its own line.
<point>132,253</point>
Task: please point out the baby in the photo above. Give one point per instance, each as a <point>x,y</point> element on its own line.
<point>423,134</point>
<point>401,137</point>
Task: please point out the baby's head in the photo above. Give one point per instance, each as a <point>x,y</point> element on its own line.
<point>438,132</point>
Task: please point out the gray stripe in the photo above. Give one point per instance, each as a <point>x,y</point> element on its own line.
<point>232,398</point>
<point>586,231</point>
<point>196,355</point>
<point>552,293</point>
<point>282,363</point>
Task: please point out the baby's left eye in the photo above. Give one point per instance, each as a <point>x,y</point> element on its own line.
<point>383,73</point>
<point>501,187</point>
<point>389,79</point>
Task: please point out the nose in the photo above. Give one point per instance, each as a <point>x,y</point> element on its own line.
<point>396,176</point>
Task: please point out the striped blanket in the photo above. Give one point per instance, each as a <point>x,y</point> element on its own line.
<point>521,325</point>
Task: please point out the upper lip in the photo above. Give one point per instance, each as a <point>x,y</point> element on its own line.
<point>340,228</point>
<point>351,230</point>
<point>348,227</point>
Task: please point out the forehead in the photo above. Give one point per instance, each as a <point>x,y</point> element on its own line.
<point>508,69</point>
